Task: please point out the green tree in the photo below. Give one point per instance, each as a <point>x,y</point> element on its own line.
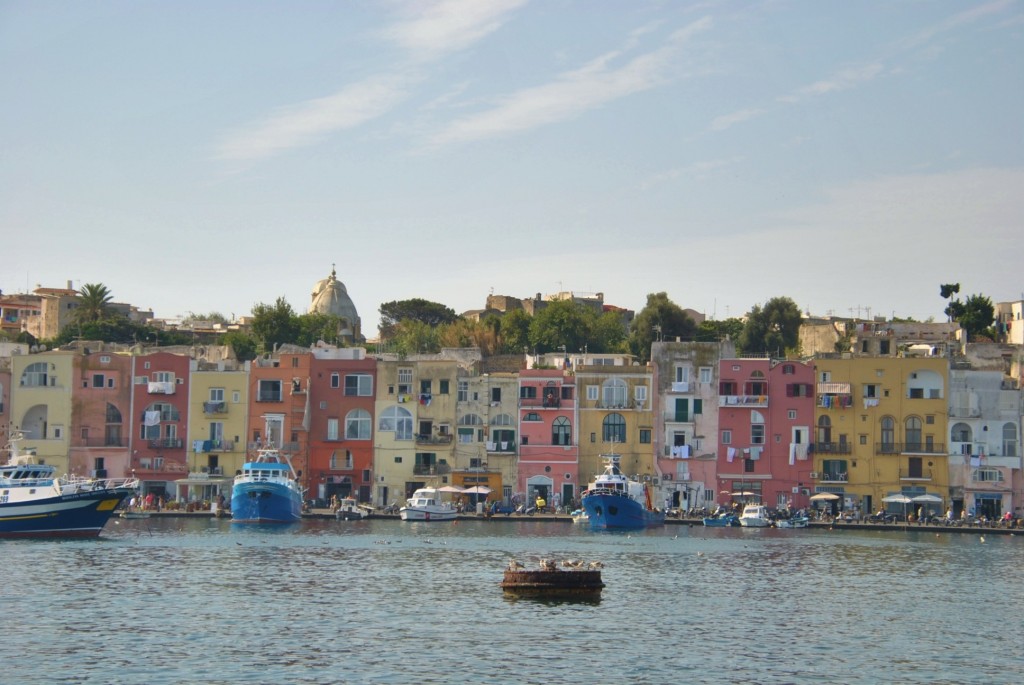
<point>773,328</point>
<point>514,332</point>
<point>415,337</point>
<point>976,314</point>
<point>275,324</point>
<point>416,309</point>
<point>93,303</point>
<point>946,291</point>
<point>609,333</point>
<point>213,317</point>
<point>316,326</point>
<point>562,323</point>
<point>710,330</point>
<point>660,319</point>
<point>242,344</point>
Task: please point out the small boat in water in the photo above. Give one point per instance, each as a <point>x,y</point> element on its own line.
<point>267,490</point>
<point>615,501</point>
<point>794,522</point>
<point>35,503</point>
<point>426,505</point>
<point>755,516</point>
<point>350,510</point>
<point>722,520</point>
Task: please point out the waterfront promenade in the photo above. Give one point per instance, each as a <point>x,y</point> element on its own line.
<point>993,528</point>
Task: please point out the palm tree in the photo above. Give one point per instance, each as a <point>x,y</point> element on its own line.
<point>93,299</point>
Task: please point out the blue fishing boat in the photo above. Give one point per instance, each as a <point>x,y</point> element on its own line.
<point>722,520</point>
<point>615,501</point>
<point>267,490</point>
<point>35,503</point>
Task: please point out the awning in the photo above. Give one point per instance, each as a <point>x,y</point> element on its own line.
<point>834,388</point>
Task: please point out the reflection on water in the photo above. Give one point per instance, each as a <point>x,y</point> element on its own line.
<point>165,600</point>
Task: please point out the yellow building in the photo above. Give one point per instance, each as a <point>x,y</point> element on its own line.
<point>218,415</point>
<point>880,431</point>
<point>41,405</point>
<point>615,416</point>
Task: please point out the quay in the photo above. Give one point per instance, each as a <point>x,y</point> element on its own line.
<point>837,525</point>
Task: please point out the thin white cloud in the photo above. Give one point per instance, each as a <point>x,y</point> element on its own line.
<point>572,93</point>
<point>306,122</point>
<point>956,21</point>
<point>725,121</point>
<point>438,28</point>
<point>430,31</point>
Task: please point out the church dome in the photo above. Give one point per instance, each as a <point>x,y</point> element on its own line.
<point>331,297</point>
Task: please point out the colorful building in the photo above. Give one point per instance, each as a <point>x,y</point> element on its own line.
<point>101,403</point>
<point>159,421</point>
<point>548,436</point>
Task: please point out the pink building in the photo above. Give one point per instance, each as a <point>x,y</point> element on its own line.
<point>766,411</point>
<point>101,415</point>
<point>159,421</point>
<point>549,444</point>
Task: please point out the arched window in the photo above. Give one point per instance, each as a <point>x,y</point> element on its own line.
<point>1009,440</point>
<point>561,431</point>
<point>397,420</point>
<point>824,430</point>
<point>614,429</point>
<point>469,428</point>
<point>35,376</point>
<point>961,432</point>
<point>501,420</point>
<point>613,393</point>
<point>912,434</point>
<point>112,431</point>
<point>357,425</point>
<point>888,434</point>
<point>532,416</point>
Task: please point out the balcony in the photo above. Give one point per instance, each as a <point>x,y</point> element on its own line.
<point>149,464</point>
<point>910,448</point>
<point>203,446</point>
<point>543,402</point>
<point>834,477</point>
<point>755,401</point>
<point>212,408</point>
<point>964,413</point>
<point>102,442</point>
<point>503,447</point>
<point>433,439</point>
<point>166,444</point>
<point>916,474</point>
<point>428,469</point>
<point>161,387</point>
<point>832,448</point>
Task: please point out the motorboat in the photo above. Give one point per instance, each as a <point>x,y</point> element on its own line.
<point>615,501</point>
<point>350,510</point>
<point>36,503</point>
<point>755,516</point>
<point>426,504</point>
<point>580,516</point>
<point>793,522</point>
<point>267,490</point>
<point>722,520</point>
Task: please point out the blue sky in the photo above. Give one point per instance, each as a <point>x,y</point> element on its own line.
<point>208,156</point>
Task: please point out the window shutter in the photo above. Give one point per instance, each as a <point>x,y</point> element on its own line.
<point>698,407</point>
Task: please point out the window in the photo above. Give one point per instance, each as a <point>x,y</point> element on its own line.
<point>1009,440</point>
<point>358,385</point>
<point>645,436</point>
<point>682,410</point>
<point>97,380</point>
<point>916,393</point>
<point>825,377</point>
<point>871,390</point>
<point>532,416</point>
<point>561,431</point>
<point>35,376</point>
<point>163,377</point>
<point>269,391</point>
<point>592,393</point>
<point>791,414</point>
<point>727,388</point>
<point>442,386</point>
<point>883,347</point>
<point>912,433</point>
<point>682,374</point>
<point>528,392</point>
<point>335,380</point>
<point>748,465</point>
<point>888,425</point>
<point>727,437</point>
<point>462,391</point>
<point>236,397</point>
<point>567,392</point>
<point>216,394</point>
<point>357,425</point>
<point>705,374</point>
<point>614,393</point>
<point>613,429</point>
<point>397,420</point>
<point>426,387</point>
<point>495,394</point>
<point>757,434</point>
<point>405,381</point>
<point>788,369</point>
<point>640,394</point>
<point>332,429</point>
<point>987,476</point>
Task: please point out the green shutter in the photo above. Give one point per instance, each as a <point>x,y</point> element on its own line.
<point>698,406</point>
<point>682,409</point>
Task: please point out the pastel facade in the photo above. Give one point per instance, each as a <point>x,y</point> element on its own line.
<point>616,415</point>
<point>685,378</point>
<point>280,406</point>
<point>159,421</point>
<point>881,427</point>
<point>218,412</point>
<point>487,434</point>
<point>549,436</point>
<point>101,414</point>
<point>343,386</point>
<point>41,405</point>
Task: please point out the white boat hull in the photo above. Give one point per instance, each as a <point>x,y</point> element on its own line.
<point>422,514</point>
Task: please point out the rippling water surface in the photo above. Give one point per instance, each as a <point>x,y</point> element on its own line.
<point>205,601</point>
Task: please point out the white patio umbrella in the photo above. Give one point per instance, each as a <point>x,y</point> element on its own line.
<point>899,498</point>
<point>822,496</point>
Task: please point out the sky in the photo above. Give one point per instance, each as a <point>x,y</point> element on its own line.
<point>207,156</point>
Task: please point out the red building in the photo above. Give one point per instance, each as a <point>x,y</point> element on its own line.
<point>281,407</point>
<point>342,386</point>
<point>101,401</point>
<point>159,421</point>
<point>549,436</point>
<point>766,411</point>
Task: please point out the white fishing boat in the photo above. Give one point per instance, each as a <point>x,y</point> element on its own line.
<point>755,516</point>
<point>350,510</point>
<point>426,504</point>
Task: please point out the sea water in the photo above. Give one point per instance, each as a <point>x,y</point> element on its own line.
<point>176,600</point>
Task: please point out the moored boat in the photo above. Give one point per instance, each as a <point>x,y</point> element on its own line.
<point>35,503</point>
<point>755,516</point>
<point>722,520</point>
<point>350,510</point>
<point>267,490</point>
<point>426,504</point>
<point>615,501</point>
<point>794,522</point>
